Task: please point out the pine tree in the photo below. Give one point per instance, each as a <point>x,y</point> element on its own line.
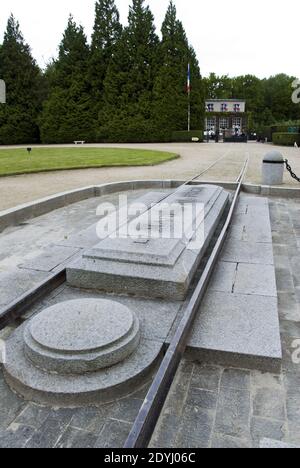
<point>170,90</point>
<point>107,31</point>
<point>24,86</point>
<point>67,113</point>
<point>129,82</point>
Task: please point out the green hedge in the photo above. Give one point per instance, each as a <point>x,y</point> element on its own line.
<point>291,128</point>
<point>186,136</point>
<point>132,130</point>
<point>286,139</point>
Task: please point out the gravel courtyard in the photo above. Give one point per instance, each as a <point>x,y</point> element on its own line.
<point>195,158</point>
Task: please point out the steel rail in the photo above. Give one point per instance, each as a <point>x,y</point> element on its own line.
<point>145,423</point>
<point>216,162</point>
<point>16,308</point>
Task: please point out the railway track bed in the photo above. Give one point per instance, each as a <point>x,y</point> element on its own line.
<point>231,324</point>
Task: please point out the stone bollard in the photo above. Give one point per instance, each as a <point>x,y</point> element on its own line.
<point>273,168</point>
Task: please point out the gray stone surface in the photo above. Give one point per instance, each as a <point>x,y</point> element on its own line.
<point>81,336</point>
<point>158,267</point>
<point>248,252</point>
<point>264,427</point>
<point>51,258</point>
<point>238,324</point>
<point>236,327</point>
<point>27,211</point>
<point>273,411</point>
<point>275,444</point>
<point>78,390</point>
<point>255,280</point>
<point>78,426</point>
<point>88,238</point>
<point>224,276</point>
<point>156,317</point>
<point>16,282</point>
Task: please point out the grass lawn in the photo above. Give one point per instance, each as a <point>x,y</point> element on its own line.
<point>17,161</point>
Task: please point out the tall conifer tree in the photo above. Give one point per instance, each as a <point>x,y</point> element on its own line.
<point>67,112</point>
<point>24,86</point>
<point>170,90</point>
<point>130,78</point>
<point>106,33</point>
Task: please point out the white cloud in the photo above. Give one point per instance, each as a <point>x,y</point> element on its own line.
<point>258,37</point>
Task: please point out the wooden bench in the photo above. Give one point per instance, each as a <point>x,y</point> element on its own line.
<point>80,142</point>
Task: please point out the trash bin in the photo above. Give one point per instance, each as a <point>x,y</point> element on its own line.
<point>273,168</point>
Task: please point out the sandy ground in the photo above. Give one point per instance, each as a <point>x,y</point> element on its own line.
<point>195,158</point>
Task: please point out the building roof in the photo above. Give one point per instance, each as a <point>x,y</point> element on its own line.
<point>225,100</point>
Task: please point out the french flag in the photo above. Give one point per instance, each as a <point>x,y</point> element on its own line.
<point>188,87</point>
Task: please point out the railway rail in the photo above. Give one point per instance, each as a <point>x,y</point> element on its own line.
<point>150,411</point>
<point>145,423</point>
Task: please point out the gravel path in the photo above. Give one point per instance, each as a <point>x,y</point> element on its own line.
<point>194,159</point>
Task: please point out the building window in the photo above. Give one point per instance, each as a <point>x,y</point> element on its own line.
<point>210,107</point>
<point>211,124</point>
<point>224,107</point>
<point>237,122</point>
<point>237,108</point>
<point>224,123</point>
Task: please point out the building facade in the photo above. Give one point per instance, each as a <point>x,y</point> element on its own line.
<point>227,117</point>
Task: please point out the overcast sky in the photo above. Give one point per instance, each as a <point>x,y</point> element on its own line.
<point>260,37</point>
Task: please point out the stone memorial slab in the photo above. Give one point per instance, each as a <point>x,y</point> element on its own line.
<point>88,238</point>
<point>80,352</point>
<point>155,266</point>
<point>81,336</point>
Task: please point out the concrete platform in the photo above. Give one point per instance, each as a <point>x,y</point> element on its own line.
<point>238,323</point>
<point>209,405</point>
<point>153,266</point>
<point>80,352</point>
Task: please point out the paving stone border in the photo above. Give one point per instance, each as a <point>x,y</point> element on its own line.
<point>22,213</point>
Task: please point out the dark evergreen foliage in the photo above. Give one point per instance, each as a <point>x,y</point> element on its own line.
<point>106,34</point>
<point>170,87</point>
<point>67,112</point>
<point>127,86</point>
<point>24,87</point>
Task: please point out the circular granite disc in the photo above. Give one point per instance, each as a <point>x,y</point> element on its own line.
<point>80,326</point>
<point>81,336</point>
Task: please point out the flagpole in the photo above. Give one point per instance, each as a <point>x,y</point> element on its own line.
<point>189,97</point>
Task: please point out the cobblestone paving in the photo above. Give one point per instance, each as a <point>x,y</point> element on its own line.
<point>208,406</point>
<point>26,425</point>
<point>235,408</point>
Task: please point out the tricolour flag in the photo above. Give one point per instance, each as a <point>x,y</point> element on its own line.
<point>188,87</point>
